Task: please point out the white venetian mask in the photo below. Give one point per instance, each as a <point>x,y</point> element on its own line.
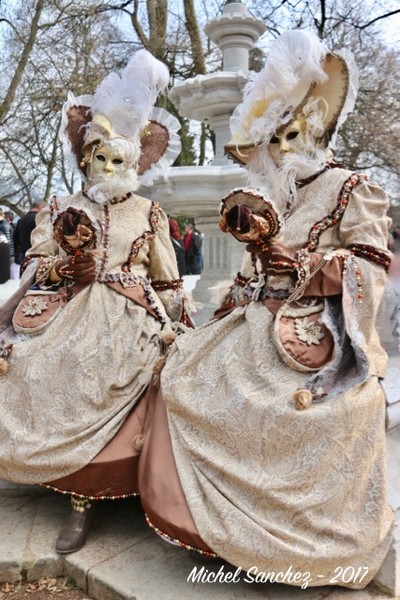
<point>107,161</point>
<point>112,169</point>
<point>291,139</point>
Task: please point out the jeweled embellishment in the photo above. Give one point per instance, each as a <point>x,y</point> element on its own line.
<point>128,279</point>
<point>308,331</point>
<point>34,307</point>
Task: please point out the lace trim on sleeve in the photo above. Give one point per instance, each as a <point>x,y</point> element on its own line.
<point>28,258</point>
<point>154,216</point>
<point>43,271</point>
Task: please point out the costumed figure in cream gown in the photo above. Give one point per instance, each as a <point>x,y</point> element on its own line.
<point>100,293</point>
<point>272,412</point>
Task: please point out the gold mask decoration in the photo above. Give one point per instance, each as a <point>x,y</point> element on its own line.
<point>290,138</point>
<point>106,162</point>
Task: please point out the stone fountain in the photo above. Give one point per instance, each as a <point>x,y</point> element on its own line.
<point>196,191</point>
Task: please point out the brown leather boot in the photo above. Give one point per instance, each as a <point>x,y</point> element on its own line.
<point>83,518</point>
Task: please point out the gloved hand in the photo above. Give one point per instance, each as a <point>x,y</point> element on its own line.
<point>275,258</point>
<point>81,269</point>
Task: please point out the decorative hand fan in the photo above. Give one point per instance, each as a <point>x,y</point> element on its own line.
<point>74,231</point>
<point>250,217</point>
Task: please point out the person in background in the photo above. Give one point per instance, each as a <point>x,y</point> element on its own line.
<point>6,228</point>
<point>23,230</point>
<point>4,259</point>
<point>6,249</point>
<point>177,243</point>
<point>191,250</point>
<point>198,242</point>
<point>9,215</point>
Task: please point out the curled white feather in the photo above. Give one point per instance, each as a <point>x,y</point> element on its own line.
<point>294,62</point>
<point>127,100</point>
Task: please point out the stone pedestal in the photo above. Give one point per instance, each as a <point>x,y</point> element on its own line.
<point>196,192</point>
<point>235,32</point>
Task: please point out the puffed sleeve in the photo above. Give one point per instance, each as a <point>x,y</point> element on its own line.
<point>44,253</point>
<point>365,220</point>
<point>364,230</point>
<point>163,270</point>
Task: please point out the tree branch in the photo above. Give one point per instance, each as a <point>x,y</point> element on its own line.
<point>10,95</point>
<point>192,28</point>
<point>385,16</point>
<point>137,26</point>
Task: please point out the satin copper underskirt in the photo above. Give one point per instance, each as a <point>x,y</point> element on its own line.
<point>160,489</point>
<point>114,471</point>
<point>122,468</point>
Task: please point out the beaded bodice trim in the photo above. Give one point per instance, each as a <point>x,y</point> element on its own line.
<point>154,216</point>
<point>373,254</point>
<point>335,216</point>
<point>114,200</point>
<point>361,250</point>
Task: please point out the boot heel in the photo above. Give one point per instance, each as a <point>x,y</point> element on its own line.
<point>83,518</point>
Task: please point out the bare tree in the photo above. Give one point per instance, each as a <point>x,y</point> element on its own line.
<point>59,45</point>
<point>72,51</point>
<point>27,47</point>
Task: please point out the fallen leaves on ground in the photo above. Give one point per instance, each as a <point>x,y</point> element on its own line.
<point>62,588</point>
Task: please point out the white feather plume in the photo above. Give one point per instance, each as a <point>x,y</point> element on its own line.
<point>127,100</point>
<point>294,62</point>
<point>220,291</point>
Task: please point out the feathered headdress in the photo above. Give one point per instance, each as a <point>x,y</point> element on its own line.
<point>299,75</point>
<point>122,107</point>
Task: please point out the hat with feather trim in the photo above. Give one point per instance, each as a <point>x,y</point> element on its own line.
<point>300,76</point>
<point>249,216</point>
<point>123,108</point>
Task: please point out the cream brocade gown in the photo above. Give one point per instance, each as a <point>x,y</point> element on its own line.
<point>69,390</point>
<point>267,485</point>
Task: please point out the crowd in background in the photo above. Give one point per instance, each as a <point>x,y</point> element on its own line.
<point>15,240</point>
<point>188,248</point>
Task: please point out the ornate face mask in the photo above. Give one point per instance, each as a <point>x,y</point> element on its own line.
<point>107,161</point>
<point>291,138</point>
<point>111,169</point>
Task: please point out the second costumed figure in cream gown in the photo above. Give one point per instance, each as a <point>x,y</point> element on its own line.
<point>267,446</point>
<point>100,292</point>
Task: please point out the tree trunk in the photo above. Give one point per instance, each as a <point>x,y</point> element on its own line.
<point>12,89</point>
<point>192,27</point>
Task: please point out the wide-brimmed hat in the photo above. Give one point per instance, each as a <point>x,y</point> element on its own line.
<point>300,75</point>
